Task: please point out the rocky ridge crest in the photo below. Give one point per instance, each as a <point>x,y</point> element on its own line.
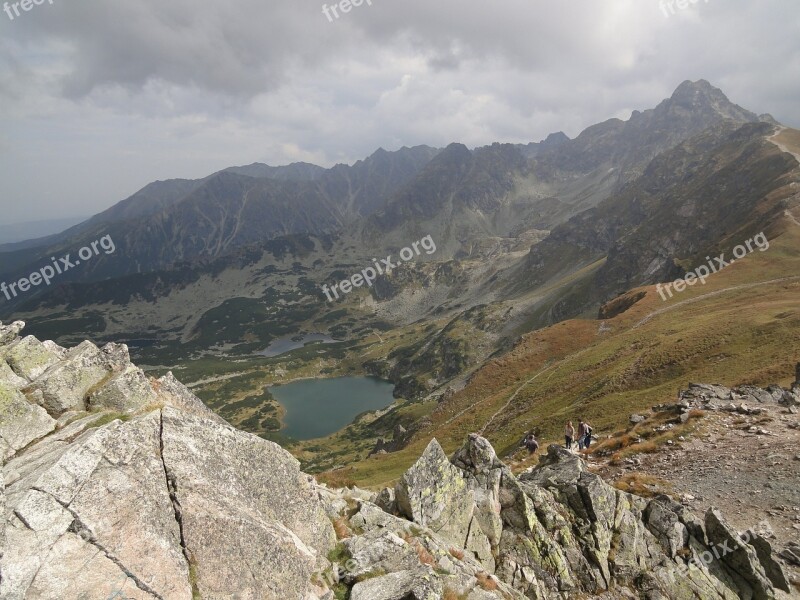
<point>117,485</point>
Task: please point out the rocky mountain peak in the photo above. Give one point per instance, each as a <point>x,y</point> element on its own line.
<point>702,98</point>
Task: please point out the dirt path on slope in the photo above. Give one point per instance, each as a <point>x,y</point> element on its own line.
<point>752,475</point>
<point>783,147</point>
<point>744,286</point>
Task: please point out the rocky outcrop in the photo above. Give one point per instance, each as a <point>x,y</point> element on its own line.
<point>744,399</point>
<point>142,492</point>
<point>559,531</point>
<point>400,438</point>
<point>21,422</point>
<point>116,485</point>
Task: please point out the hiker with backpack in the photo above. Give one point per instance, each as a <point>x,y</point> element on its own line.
<point>588,439</point>
<point>530,443</point>
<point>584,435</point>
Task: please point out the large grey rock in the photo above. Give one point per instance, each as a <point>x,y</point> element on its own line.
<point>102,497</point>
<point>739,557</point>
<point>59,351</point>
<point>662,519</point>
<point>10,333</point>
<point>29,357</point>
<point>251,521</point>
<point>764,552</point>
<point>753,394</point>
<point>791,397</point>
<point>173,393</point>
<point>434,494</point>
<point>708,391</point>
<point>8,376</point>
<point>403,585</point>
<point>20,421</point>
<point>127,391</point>
<point>388,544</point>
<point>484,473</point>
<point>65,385</point>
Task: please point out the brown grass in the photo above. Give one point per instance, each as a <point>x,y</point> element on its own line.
<point>450,594</point>
<point>456,553</point>
<point>342,528</point>
<point>341,478</point>
<point>425,557</point>
<point>642,485</point>
<point>624,444</point>
<point>486,582</point>
<point>618,441</point>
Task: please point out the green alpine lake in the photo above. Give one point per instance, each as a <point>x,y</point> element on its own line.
<point>318,407</point>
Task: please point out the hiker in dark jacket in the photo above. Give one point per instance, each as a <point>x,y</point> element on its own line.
<point>530,443</point>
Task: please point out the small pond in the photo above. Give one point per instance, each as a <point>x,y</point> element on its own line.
<point>287,344</point>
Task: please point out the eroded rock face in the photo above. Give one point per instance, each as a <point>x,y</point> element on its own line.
<point>434,494</point>
<point>66,383</point>
<point>21,422</point>
<point>399,586</point>
<point>251,520</point>
<point>28,357</point>
<point>103,494</point>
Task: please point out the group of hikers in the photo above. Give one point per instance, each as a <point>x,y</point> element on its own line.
<point>583,437</point>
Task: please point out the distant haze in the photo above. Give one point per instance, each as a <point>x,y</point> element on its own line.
<point>100,99</point>
<point>17,232</point>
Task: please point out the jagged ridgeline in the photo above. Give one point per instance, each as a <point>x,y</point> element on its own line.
<point>117,485</point>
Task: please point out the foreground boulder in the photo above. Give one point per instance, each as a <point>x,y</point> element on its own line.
<point>148,495</point>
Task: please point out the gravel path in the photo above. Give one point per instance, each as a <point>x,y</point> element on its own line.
<point>751,475</point>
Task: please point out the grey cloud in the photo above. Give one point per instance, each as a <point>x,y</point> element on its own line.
<point>136,90</point>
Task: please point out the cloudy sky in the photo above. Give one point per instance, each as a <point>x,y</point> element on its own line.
<point>99,98</point>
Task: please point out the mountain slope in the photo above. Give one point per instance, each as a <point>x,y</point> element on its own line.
<point>183,220</point>
<point>739,328</point>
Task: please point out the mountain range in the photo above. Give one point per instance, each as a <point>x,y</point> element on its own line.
<point>207,273</point>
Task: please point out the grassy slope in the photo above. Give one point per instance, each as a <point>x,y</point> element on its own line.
<point>739,335</point>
